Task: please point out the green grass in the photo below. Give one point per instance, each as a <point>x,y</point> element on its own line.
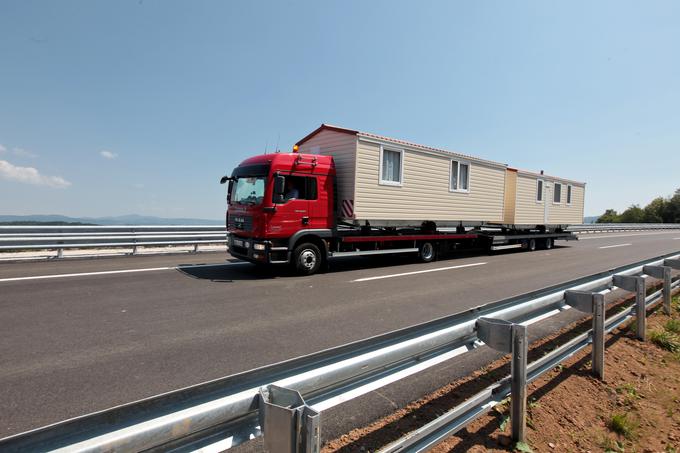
<point>610,445</point>
<point>629,390</point>
<point>665,340</point>
<point>523,447</point>
<point>621,424</point>
<point>672,325</point>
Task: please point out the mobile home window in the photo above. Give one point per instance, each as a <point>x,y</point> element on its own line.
<point>391,166</point>
<point>460,176</point>
<point>568,194</point>
<point>557,196</point>
<point>539,190</point>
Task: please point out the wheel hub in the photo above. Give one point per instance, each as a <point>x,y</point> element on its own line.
<point>308,259</point>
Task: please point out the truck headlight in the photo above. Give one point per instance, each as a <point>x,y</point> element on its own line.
<point>258,246</point>
<point>246,244</point>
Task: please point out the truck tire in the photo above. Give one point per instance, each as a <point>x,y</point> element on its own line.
<point>548,244</point>
<point>531,245</point>
<point>307,258</point>
<point>426,252</point>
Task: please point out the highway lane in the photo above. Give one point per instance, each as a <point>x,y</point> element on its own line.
<point>81,343</point>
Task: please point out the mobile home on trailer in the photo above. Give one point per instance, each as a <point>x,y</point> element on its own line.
<point>343,192</point>
<point>392,182</point>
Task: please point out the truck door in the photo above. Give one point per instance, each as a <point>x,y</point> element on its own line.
<point>293,214</point>
<point>320,202</point>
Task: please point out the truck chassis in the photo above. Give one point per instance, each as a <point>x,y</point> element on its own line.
<point>308,251</point>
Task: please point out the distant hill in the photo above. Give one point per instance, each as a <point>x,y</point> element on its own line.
<point>36,223</point>
<point>132,219</point>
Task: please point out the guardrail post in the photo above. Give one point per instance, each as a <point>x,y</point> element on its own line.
<point>288,424</point>
<point>134,249</point>
<point>507,337</point>
<point>637,286</point>
<point>195,248</point>
<point>673,264</point>
<point>663,273</point>
<point>60,253</point>
<point>593,303</point>
<point>518,399</point>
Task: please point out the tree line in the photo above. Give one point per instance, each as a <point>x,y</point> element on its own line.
<point>659,210</point>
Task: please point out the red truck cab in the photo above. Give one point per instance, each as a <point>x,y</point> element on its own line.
<point>278,202</point>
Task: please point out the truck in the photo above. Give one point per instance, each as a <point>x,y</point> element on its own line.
<point>342,192</point>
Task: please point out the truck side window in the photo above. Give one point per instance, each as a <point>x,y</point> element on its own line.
<point>300,188</point>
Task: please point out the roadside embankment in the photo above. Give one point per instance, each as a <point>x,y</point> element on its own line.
<point>636,408</point>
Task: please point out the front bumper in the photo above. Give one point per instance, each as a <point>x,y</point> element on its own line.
<point>257,251</point>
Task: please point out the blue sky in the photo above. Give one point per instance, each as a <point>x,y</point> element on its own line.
<point>119,107</point>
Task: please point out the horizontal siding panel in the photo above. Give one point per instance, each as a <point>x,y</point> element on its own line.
<point>343,149</point>
<point>424,193</point>
<point>564,213</point>
<point>528,211</point>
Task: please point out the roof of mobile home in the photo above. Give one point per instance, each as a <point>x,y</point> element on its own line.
<point>547,177</point>
<point>382,138</point>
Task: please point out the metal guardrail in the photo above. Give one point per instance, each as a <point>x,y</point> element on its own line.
<point>59,238</point>
<point>25,238</point>
<point>283,401</point>
<point>611,227</point>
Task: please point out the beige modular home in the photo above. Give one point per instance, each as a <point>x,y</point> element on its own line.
<point>537,199</point>
<point>393,182</point>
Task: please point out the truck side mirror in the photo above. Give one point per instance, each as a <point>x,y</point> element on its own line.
<point>279,188</point>
<point>224,179</point>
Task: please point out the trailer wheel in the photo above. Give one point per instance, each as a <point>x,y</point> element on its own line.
<point>307,258</point>
<point>548,243</point>
<point>531,245</point>
<point>426,253</point>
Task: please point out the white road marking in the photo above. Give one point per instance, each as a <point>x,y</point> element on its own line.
<point>122,271</point>
<point>622,235</point>
<point>612,246</point>
<point>417,272</point>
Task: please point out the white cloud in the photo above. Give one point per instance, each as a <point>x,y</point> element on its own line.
<point>108,154</point>
<point>30,175</point>
<point>24,153</point>
<point>2,149</point>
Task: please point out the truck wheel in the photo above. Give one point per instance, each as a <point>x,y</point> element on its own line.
<point>531,245</point>
<point>426,252</point>
<point>307,258</point>
<point>548,243</point>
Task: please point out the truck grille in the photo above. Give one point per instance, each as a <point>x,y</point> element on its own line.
<point>240,222</point>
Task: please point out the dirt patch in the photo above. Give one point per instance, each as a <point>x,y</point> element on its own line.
<point>636,408</point>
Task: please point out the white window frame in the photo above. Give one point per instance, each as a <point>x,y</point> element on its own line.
<point>460,162</point>
<point>542,191</point>
<point>570,194</point>
<point>383,182</point>
<point>554,192</point>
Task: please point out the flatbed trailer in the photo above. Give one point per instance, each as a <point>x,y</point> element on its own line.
<point>429,246</point>
<point>353,242</point>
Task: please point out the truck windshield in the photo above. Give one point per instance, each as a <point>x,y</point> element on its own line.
<point>248,190</point>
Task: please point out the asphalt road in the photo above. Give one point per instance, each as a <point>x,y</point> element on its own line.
<point>85,335</point>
